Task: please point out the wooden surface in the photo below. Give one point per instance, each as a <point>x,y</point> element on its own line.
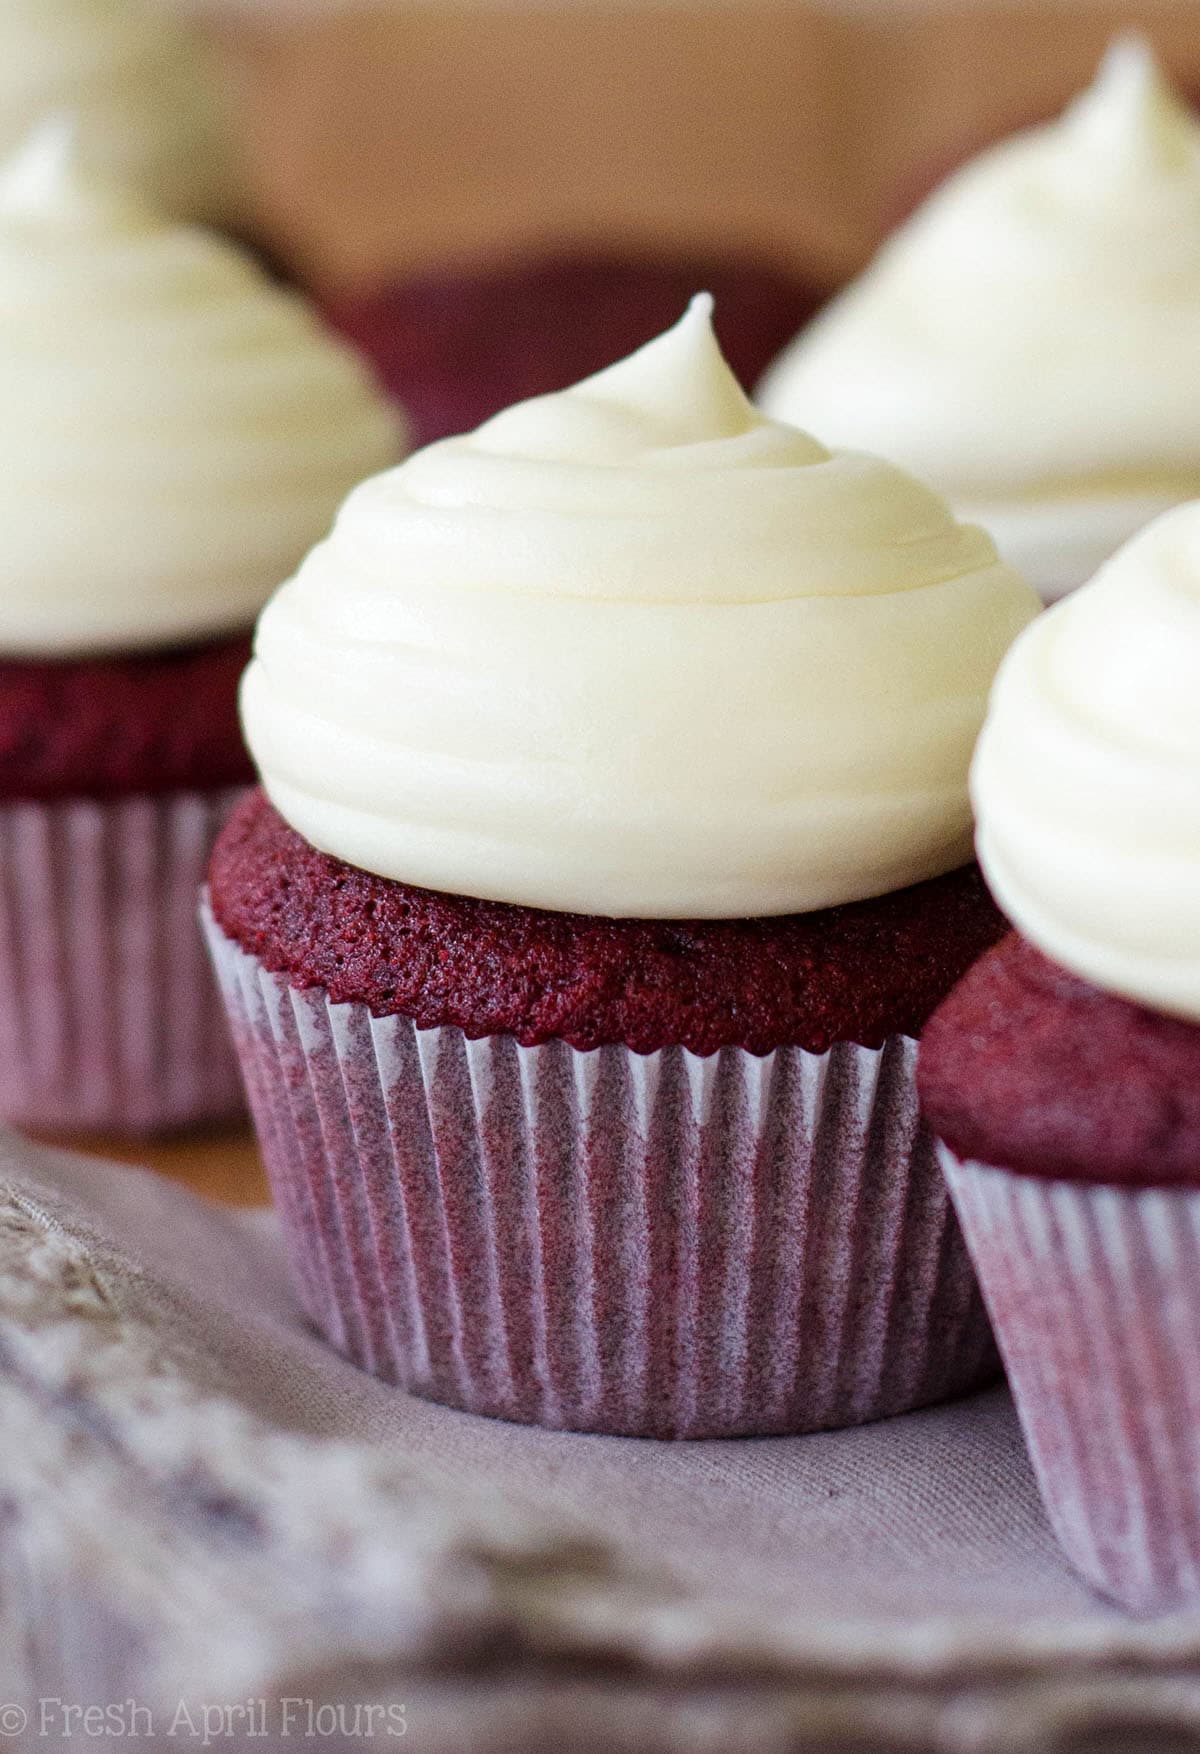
<point>223,1166</point>
<point>385,138</point>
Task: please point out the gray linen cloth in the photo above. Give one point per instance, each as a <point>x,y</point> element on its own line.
<point>205,1512</point>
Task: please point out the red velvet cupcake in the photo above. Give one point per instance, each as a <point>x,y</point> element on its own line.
<point>1063,1075</point>
<point>458,346</point>
<point>179,432</point>
<point>115,776</point>
<point>616,758</point>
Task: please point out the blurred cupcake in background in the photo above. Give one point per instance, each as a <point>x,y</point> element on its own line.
<point>459,345</point>
<point>615,844</point>
<point>1028,341</point>
<point>177,432</point>
<point>144,96</point>
<point>1063,1074</point>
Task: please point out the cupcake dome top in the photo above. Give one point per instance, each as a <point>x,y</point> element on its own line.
<point>177,429</point>
<point>634,649</point>
<point>139,84</point>
<point>1087,777</point>
<point>1034,330</point>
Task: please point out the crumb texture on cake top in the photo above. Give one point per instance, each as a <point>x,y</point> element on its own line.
<point>1028,1067</point>
<point>856,973</point>
<point>110,727</point>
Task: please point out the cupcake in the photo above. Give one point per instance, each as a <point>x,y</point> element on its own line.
<point>180,432</point>
<point>458,346</point>
<point>613,847</point>
<point>1027,342</point>
<point>145,98</point>
<point>1063,1074</point>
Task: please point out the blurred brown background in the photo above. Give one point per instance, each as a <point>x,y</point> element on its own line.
<point>384,137</point>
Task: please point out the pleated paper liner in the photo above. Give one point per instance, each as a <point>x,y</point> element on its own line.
<point>110,1019</point>
<point>655,1245</point>
<point>1095,1296</point>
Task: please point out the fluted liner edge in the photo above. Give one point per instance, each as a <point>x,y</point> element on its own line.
<point>1095,1296</point>
<point>654,1245</point>
<point>109,1015</point>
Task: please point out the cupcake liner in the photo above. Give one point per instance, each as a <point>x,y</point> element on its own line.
<point>655,1245</point>
<point>1095,1296</point>
<point>109,1016</point>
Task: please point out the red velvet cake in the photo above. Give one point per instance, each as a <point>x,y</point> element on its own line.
<point>1034,1068</point>
<point>458,347</point>
<point>115,775</point>
<point>857,973</point>
<point>104,727</point>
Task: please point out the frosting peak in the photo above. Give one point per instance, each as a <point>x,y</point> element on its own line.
<point>177,430</point>
<point>634,649</point>
<point>1027,342</point>
<point>144,98</point>
<point>1087,777</point>
<point>675,394</point>
<point>44,184</point>
<point>1129,122</point>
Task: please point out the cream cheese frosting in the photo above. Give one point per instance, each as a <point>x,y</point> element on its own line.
<point>1087,777</point>
<point>176,430</point>
<point>144,93</point>
<point>636,650</point>
<point>1028,343</point>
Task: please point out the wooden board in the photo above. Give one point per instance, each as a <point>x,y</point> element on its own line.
<point>221,1165</point>
<point>384,138</point>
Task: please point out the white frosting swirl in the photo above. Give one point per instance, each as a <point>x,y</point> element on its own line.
<point>1029,341</point>
<point>140,86</point>
<point>177,430</point>
<point>1087,778</point>
<point>635,650</point>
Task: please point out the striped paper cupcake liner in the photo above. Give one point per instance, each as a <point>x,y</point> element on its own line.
<point>655,1245</point>
<point>109,1015</point>
<point>1095,1296</point>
